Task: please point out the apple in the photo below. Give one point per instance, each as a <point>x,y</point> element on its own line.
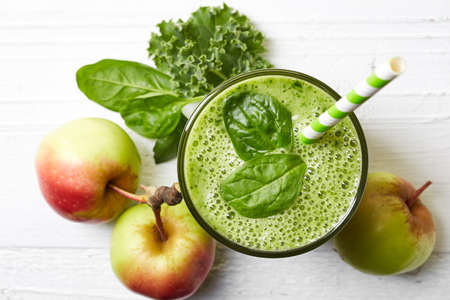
<point>76,162</point>
<point>392,232</point>
<point>161,267</point>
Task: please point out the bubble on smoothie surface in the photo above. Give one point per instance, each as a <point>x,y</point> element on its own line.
<point>330,182</point>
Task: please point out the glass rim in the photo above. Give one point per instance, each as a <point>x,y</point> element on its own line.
<point>258,252</point>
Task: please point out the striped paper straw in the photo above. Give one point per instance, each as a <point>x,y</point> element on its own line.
<point>365,89</point>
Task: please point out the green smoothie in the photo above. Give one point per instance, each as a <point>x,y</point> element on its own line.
<point>330,183</point>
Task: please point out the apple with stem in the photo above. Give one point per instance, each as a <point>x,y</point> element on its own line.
<point>76,162</point>
<point>167,261</point>
<point>392,232</point>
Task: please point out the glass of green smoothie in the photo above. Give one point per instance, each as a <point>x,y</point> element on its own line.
<point>333,183</point>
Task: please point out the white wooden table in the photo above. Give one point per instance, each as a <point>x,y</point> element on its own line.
<point>43,43</point>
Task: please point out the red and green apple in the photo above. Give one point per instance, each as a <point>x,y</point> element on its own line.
<point>76,162</point>
<point>392,232</point>
<point>170,268</point>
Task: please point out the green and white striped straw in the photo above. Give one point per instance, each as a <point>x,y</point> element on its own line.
<point>365,89</point>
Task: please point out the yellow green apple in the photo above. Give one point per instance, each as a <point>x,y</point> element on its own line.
<point>162,269</point>
<point>392,231</point>
<point>76,162</point>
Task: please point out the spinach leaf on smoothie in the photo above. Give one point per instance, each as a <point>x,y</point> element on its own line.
<point>257,124</point>
<point>265,185</point>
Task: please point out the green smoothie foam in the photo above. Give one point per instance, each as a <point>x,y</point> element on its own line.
<point>330,183</point>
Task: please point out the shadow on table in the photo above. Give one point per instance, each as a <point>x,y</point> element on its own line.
<point>215,277</point>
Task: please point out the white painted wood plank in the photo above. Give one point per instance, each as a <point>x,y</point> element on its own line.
<point>24,79</point>
<point>285,10</point>
<point>86,274</point>
<point>70,30</point>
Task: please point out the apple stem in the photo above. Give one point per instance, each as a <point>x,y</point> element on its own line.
<point>410,202</point>
<point>154,197</point>
<point>131,196</point>
<point>159,225</point>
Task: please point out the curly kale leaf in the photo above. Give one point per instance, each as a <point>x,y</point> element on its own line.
<point>214,44</point>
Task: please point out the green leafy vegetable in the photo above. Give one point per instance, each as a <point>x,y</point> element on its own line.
<point>214,44</point>
<point>166,147</point>
<point>192,57</point>
<point>153,117</point>
<point>257,124</point>
<point>111,83</point>
<point>265,185</point>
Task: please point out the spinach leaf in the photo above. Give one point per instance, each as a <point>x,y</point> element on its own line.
<point>265,185</point>
<point>166,147</point>
<point>111,83</point>
<point>257,124</point>
<point>153,117</point>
